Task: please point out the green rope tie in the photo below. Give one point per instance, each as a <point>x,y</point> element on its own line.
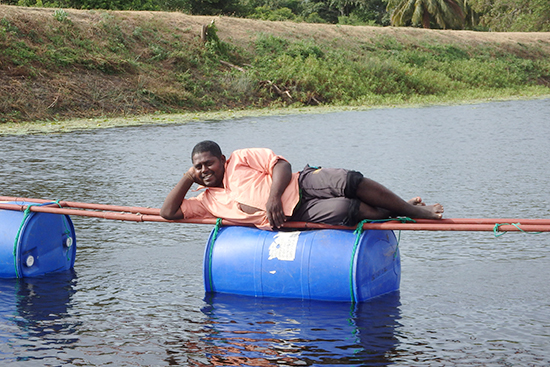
<point>497,226</point>
<point>397,245</point>
<point>359,231</point>
<point>26,213</point>
<point>214,236</point>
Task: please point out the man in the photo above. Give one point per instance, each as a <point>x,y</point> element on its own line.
<point>256,186</point>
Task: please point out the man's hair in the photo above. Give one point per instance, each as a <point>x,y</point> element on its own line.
<point>207,146</point>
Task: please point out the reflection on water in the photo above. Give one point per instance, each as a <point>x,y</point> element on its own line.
<point>247,331</point>
<point>34,309</point>
<point>236,330</point>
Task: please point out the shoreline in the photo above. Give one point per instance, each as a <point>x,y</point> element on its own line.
<point>99,69</point>
<point>72,125</point>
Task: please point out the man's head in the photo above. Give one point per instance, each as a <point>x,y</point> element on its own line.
<point>209,163</point>
<point>207,146</point>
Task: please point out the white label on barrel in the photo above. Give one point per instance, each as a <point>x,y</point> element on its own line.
<point>283,246</point>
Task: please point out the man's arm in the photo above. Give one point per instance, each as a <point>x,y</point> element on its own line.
<point>282,173</point>
<point>171,208</point>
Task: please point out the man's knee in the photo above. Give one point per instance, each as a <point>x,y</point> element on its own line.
<point>353,180</point>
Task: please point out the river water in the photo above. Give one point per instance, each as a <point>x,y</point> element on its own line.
<point>136,296</point>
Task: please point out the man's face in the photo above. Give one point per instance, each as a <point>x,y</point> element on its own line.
<point>209,169</point>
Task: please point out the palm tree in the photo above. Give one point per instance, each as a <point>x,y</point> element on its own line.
<point>445,13</point>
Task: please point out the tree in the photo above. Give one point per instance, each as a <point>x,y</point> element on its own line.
<point>427,13</point>
<point>366,11</point>
<point>213,7</point>
<point>513,15</point>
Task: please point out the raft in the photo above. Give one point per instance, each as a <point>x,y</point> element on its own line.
<point>325,264</point>
<point>33,244</point>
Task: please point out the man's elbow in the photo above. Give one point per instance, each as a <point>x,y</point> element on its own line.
<point>283,166</point>
<point>170,215</point>
<point>165,214</point>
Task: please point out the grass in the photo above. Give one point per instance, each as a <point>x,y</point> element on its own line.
<point>60,65</point>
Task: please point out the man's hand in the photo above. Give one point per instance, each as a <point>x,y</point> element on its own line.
<point>275,213</point>
<point>274,207</point>
<point>171,208</point>
<point>192,175</point>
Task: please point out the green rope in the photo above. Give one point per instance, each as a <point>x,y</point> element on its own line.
<point>214,235</point>
<point>26,213</point>
<point>397,245</point>
<point>497,226</point>
<point>358,232</point>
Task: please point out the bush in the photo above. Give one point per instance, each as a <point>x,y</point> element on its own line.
<point>265,13</point>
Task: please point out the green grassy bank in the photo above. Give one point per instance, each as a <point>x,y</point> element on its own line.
<point>60,65</point>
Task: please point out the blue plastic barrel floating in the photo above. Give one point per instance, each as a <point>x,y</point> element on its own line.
<point>34,244</point>
<point>326,264</point>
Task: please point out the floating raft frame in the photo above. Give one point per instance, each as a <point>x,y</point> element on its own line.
<point>301,260</point>
<point>141,214</point>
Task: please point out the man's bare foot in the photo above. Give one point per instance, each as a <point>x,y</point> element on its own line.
<point>416,201</point>
<point>423,211</point>
<point>434,211</point>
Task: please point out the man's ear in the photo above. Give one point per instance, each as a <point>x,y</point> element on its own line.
<point>223,159</point>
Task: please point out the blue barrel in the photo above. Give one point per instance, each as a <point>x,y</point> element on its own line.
<point>327,264</point>
<point>36,244</point>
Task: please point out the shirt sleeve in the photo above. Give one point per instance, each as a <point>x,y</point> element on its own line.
<point>259,159</point>
<point>194,208</point>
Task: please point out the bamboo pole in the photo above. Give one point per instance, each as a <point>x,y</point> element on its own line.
<point>79,205</point>
<point>156,211</point>
<point>485,221</point>
<point>395,225</point>
<point>139,214</point>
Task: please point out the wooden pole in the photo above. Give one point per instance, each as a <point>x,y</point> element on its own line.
<point>141,214</point>
<point>156,211</point>
<point>74,204</point>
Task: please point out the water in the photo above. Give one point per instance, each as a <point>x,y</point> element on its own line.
<point>136,296</point>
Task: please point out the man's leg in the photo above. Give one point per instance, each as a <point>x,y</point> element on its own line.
<point>378,202</point>
<point>335,211</point>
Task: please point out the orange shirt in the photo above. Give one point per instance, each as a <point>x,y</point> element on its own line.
<point>247,180</point>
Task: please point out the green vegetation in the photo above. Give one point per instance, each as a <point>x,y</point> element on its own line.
<point>489,15</point>
<point>511,15</point>
<point>60,64</point>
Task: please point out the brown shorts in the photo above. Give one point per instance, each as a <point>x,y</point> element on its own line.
<point>327,195</point>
